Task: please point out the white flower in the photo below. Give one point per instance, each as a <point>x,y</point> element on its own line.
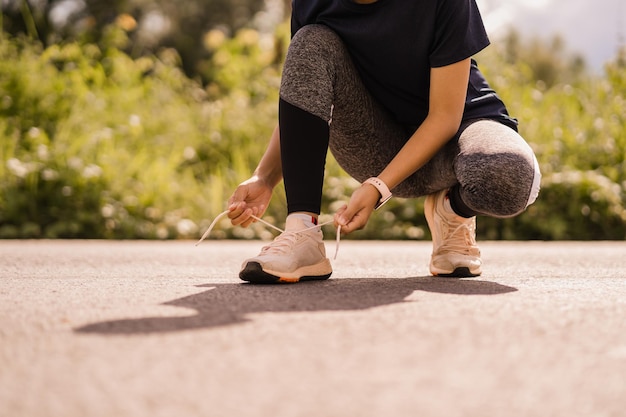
<point>17,167</point>
<point>186,227</point>
<point>49,174</point>
<point>107,211</point>
<point>134,120</point>
<point>75,163</point>
<point>34,132</point>
<point>189,153</point>
<point>42,152</point>
<point>92,171</point>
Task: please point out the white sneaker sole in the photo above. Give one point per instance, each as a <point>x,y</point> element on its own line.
<point>254,273</point>
<point>458,272</point>
<point>457,266</point>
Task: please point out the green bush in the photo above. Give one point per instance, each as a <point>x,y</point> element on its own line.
<point>577,128</point>
<point>96,144</point>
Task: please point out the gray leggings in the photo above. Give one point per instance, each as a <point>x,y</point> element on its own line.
<point>493,168</point>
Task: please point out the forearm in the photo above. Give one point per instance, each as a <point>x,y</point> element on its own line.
<point>269,168</point>
<point>448,90</point>
<point>420,148</point>
<point>427,140</point>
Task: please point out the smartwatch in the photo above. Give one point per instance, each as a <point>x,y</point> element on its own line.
<point>385,194</point>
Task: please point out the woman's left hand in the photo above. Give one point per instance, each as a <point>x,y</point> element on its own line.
<point>356,213</point>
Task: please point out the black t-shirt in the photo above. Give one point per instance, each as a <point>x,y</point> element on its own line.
<point>395,43</point>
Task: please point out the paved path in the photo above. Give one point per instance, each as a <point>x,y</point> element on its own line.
<point>132,329</point>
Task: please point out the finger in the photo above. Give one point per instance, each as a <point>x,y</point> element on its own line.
<point>253,212</point>
<point>355,220</point>
<point>345,216</point>
<point>235,210</point>
<point>338,215</point>
<point>354,224</point>
<point>243,219</point>
<point>247,222</point>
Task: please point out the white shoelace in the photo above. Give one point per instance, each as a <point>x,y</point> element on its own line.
<point>460,240</point>
<point>318,226</point>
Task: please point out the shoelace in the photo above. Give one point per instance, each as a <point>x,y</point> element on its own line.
<point>460,240</point>
<point>318,226</point>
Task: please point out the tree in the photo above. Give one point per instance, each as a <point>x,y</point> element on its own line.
<point>548,61</point>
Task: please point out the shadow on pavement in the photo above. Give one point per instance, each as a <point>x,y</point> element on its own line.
<point>228,304</point>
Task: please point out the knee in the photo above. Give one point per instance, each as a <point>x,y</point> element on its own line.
<point>314,46</point>
<point>500,185</point>
<point>309,72</point>
<point>314,36</point>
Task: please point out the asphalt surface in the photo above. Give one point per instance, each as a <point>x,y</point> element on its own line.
<point>101,328</point>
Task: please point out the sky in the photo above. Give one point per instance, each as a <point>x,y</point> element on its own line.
<point>593,28</point>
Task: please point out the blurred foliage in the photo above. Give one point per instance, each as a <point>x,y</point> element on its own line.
<point>99,142</point>
<point>150,24</point>
<point>96,144</point>
<point>576,123</point>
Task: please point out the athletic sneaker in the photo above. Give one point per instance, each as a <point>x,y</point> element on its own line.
<point>455,253</point>
<point>297,254</point>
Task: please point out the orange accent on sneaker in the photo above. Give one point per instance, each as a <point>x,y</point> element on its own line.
<point>288,280</point>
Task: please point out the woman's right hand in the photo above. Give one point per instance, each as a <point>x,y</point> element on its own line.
<point>250,198</point>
